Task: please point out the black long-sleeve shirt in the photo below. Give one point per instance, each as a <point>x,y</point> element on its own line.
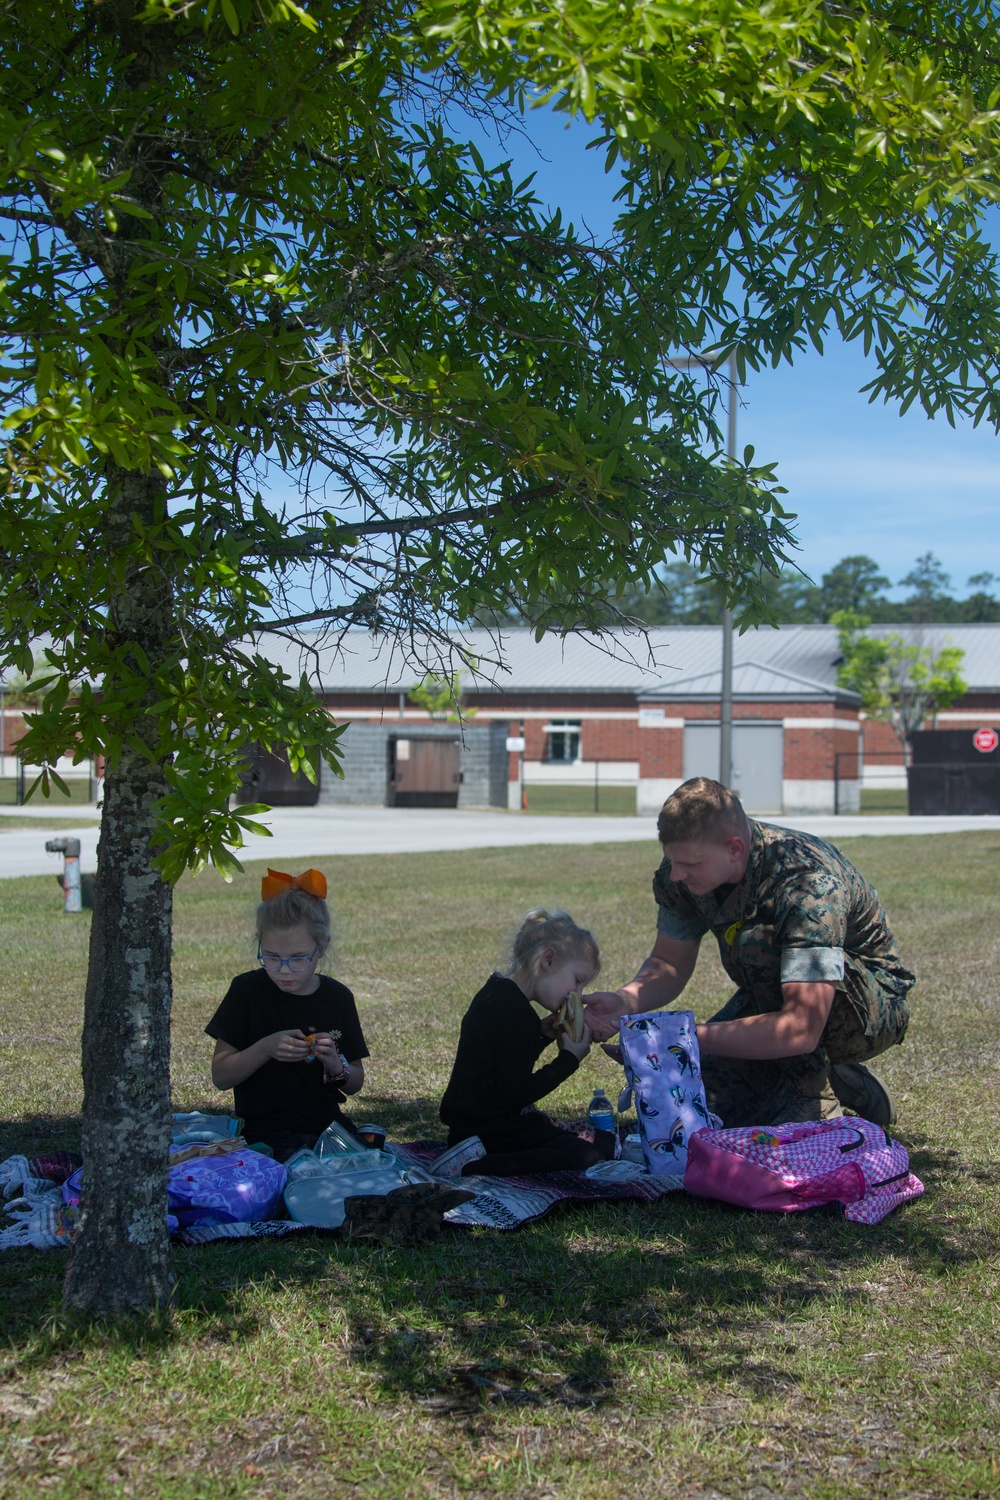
<point>494,1076</point>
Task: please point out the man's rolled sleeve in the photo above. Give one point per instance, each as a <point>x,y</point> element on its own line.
<point>812,965</point>
<point>683,927</point>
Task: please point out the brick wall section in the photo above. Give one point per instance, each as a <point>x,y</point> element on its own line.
<point>881,743</point>
<point>610,739</point>
<point>661,753</point>
<point>14,728</point>
<point>809,753</point>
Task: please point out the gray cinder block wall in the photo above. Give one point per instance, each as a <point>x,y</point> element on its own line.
<point>365,752</point>
<point>364,760</point>
<point>484,766</point>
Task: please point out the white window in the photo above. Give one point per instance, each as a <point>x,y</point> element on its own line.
<point>563,740</point>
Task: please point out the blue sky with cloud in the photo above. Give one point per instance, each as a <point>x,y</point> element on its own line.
<point>860,477</point>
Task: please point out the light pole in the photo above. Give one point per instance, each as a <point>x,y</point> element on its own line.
<point>686,362</point>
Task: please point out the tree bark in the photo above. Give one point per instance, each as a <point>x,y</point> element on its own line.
<point>120,1259</point>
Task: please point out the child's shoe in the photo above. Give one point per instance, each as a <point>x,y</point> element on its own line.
<point>451,1162</point>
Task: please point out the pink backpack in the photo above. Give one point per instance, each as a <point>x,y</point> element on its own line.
<point>793,1167</point>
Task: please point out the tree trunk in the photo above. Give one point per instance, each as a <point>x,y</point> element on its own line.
<point>120,1259</point>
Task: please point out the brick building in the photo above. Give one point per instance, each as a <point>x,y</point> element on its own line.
<point>624,710</point>
<point>642,711</point>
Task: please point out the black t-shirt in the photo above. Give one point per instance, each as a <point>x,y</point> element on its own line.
<point>284,1096</point>
<point>494,1076</point>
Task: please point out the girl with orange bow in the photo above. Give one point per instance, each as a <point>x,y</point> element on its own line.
<point>288,1041</point>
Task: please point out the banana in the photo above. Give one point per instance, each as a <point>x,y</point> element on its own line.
<point>569,1017</point>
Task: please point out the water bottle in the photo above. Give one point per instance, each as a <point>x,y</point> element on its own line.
<point>599,1112</point>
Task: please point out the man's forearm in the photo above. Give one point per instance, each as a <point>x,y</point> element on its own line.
<point>657,983</point>
<point>793,1031</point>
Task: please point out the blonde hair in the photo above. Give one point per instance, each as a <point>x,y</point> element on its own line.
<point>293,907</point>
<point>542,930</point>
<point>701,811</point>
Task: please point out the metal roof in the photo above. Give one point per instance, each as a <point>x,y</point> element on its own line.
<point>750,680</point>
<point>656,660</point>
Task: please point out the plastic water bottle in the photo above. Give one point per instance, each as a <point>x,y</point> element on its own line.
<point>599,1112</point>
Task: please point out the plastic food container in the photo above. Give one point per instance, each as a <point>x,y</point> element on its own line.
<point>319,1199</point>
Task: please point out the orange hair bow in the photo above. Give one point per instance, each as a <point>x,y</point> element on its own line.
<point>276,881</point>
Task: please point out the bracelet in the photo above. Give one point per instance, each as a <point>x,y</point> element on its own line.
<point>343,1077</point>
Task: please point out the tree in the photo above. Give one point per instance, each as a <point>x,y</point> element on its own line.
<point>249,255</point>
<point>981,606</point>
<point>854,584</point>
<point>931,585</point>
<point>441,696</point>
<point>901,682</point>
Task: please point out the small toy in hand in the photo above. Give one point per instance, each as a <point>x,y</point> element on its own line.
<point>311,1039</point>
<point>570,1019</point>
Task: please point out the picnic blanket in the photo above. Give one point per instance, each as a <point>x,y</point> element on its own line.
<point>38,1217</point>
<point>509,1202</point>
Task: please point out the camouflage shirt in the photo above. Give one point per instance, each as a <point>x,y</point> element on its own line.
<point>801,913</point>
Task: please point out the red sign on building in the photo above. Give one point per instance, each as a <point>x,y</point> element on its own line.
<point>986,740</point>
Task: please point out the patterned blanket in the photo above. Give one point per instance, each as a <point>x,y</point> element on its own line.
<point>509,1202</point>
<point>38,1217</point>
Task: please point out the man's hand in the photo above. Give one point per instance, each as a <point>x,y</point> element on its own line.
<point>603,1010</point>
<point>660,979</point>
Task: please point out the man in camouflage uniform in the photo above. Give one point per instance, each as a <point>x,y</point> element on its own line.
<point>803,935</point>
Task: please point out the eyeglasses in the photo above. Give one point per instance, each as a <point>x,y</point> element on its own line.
<point>297,964</point>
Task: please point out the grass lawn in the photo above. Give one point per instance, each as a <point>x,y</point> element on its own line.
<point>884,799</point>
<point>80,788</point>
<point>682,1350</point>
<point>565,799</point>
<point>12,823</point>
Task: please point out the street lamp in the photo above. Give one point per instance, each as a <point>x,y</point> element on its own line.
<point>705,361</point>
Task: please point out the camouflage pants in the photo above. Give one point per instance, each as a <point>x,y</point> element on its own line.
<point>860,1025</point>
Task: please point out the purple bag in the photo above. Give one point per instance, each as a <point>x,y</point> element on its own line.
<point>234,1188</point>
<point>789,1168</point>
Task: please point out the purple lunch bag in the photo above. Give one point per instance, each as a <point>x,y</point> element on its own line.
<point>232,1188</point>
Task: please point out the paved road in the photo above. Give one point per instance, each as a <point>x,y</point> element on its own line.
<point>299,832</point>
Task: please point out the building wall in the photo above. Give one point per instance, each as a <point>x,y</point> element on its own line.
<point>814,733</point>
<point>365,749</point>
<point>365,766</point>
<point>825,764</point>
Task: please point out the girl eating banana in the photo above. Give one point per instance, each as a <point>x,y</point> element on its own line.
<point>494,1084</point>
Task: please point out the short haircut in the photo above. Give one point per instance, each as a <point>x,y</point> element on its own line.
<point>541,930</point>
<point>293,907</point>
<point>701,811</point>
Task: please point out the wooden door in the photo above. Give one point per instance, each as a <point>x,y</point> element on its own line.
<point>424,772</point>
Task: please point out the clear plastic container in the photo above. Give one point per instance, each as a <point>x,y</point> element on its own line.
<point>336,1141</point>
<point>306,1163</point>
<point>356,1161</point>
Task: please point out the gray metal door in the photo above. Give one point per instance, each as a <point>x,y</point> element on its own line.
<point>758,761</point>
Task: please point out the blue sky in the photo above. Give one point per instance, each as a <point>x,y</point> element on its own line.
<point>861,478</point>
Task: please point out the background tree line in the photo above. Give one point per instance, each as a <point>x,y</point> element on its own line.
<point>682,595</point>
